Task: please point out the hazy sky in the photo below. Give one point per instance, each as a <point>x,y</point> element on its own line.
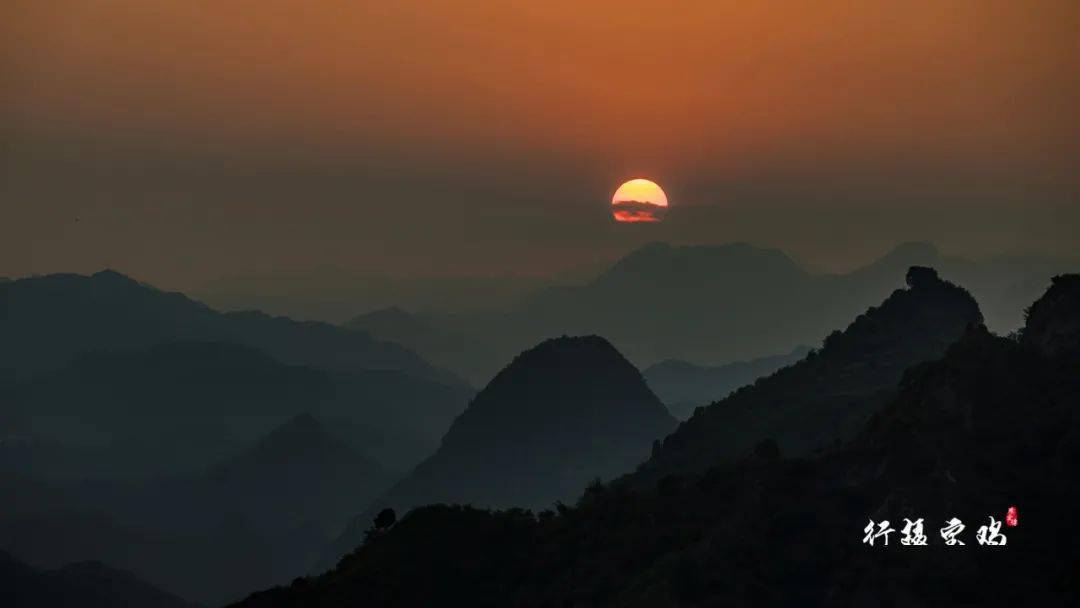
<point>186,140</point>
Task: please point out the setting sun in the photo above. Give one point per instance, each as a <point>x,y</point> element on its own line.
<point>639,200</point>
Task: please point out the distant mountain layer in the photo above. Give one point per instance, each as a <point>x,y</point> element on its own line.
<point>85,584</point>
<point>561,414</point>
<point>398,322</point>
<point>48,527</point>
<point>683,386</point>
<point>257,518</point>
<point>708,304</point>
<point>299,474</point>
<point>829,395</point>
<point>990,424</point>
<point>439,345</point>
<point>179,404</point>
<point>51,319</point>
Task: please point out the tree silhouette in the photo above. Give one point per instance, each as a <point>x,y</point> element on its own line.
<point>381,524</point>
<point>385,519</point>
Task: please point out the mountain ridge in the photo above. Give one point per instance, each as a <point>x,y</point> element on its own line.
<point>712,304</point>
<point>52,318</point>
<point>87,584</point>
<point>217,390</point>
<point>683,386</point>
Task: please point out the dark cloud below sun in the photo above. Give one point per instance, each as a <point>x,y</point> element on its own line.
<point>636,211</point>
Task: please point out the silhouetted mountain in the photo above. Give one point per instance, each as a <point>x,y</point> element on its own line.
<point>562,413</point>
<point>992,423</point>
<point>179,406</point>
<point>833,392</point>
<point>1052,325</point>
<point>53,318</point>
<point>85,584</point>
<point>683,386</point>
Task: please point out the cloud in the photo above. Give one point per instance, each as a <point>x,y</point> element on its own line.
<point>636,211</point>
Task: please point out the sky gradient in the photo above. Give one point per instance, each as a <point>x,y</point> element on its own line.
<point>188,141</point>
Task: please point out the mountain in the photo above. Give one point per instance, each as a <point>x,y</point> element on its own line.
<point>257,518</point>
<point>177,406</point>
<point>1003,285</point>
<point>563,413</point>
<point>831,393</point>
<point>299,474</point>
<point>683,386</point>
<point>86,584</point>
<point>989,425</point>
<point>53,318</point>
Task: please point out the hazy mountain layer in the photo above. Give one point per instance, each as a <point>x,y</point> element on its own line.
<point>84,584</point>
<point>179,406</point>
<point>442,346</point>
<point>51,319</point>
<point>683,386</point>
<point>271,509</point>
<point>707,304</point>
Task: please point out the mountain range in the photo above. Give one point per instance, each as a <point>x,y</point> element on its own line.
<point>51,319</point>
<point>708,305</point>
<point>988,424</point>
<point>183,405</point>
<point>86,584</point>
<point>253,519</point>
<point>829,395</point>
<point>213,453</point>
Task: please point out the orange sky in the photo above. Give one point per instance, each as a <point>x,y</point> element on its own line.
<point>692,94</point>
<point>731,78</point>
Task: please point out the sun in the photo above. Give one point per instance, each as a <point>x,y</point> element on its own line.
<point>639,200</point>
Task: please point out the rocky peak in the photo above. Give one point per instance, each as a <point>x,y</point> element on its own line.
<point>1053,321</point>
